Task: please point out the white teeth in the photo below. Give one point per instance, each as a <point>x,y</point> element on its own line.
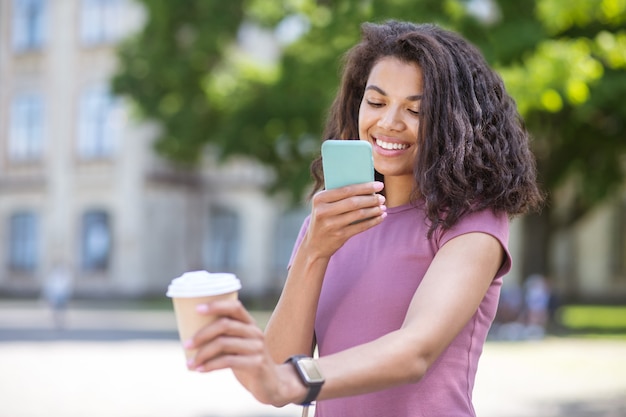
<point>391,146</point>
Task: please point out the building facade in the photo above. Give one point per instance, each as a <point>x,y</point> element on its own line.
<point>80,186</point>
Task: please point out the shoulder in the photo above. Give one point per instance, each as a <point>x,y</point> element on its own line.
<point>485,221</point>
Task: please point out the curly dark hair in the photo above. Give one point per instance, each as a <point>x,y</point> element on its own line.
<point>473,146</point>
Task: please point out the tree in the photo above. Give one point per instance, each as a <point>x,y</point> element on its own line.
<point>184,71</point>
<point>164,67</point>
<point>564,62</point>
<point>569,89</point>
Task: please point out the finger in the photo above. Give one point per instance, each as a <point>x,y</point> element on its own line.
<point>360,215</point>
<point>224,326</point>
<point>359,202</point>
<point>226,308</point>
<point>349,190</point>
<point>224,336</point>
<point>327,211</point>
<point>367,218</point>
<point>226,346</point>
<point>235,362</point>
<point>354,209</point>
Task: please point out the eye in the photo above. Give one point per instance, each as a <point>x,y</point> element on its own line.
<point>375,104</point>
<point>414,112</point>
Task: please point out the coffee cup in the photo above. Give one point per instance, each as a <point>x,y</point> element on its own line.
<point>194,288</point>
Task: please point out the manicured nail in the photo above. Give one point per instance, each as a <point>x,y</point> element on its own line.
<point>188,343</point>
<point>202,308</point>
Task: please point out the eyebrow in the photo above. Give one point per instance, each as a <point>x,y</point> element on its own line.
<point>416,97</point>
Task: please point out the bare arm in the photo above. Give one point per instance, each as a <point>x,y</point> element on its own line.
<point>290,329</point>
<point>447,298</point>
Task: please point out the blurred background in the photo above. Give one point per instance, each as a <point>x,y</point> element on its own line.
<point>143,138</point>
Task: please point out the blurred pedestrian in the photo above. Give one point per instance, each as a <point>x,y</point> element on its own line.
<point>536,306</point>
<point>508,324</point>
<point>57,291</point>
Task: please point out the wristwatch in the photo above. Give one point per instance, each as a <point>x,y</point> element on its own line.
<point>309,374</point>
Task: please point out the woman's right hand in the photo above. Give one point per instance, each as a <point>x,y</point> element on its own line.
<point>341,213</point>
<point>334,212</point>
<point>235,341</point>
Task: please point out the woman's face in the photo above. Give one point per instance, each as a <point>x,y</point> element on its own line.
<point>389,115</point>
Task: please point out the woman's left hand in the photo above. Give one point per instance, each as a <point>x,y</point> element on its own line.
<point>235,341</point>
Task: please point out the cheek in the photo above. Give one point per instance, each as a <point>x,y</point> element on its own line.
<point>362,126</point>
<point>415,152</point>
<point>362,132</point>
<point>365,120</point>
<point>412,124</point>
<point>414,128</point>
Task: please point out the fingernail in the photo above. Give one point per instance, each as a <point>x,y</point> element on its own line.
<point>381,199</point>
<point>378,185</point>
<point>188,344</point>
<point>202,308</point>
<point>189,362</point>
<point>384,215</point>
<point>383,207</point>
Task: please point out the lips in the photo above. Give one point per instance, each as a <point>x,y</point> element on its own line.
<point>391,146</point>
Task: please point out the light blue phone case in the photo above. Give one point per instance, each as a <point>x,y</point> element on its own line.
<point>347,162</point>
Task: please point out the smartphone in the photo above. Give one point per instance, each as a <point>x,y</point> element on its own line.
<point>347,162</point>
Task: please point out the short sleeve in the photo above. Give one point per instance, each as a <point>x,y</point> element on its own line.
<point>485,221</point>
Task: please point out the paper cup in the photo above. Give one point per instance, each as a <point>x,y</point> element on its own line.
<point>194,288</point>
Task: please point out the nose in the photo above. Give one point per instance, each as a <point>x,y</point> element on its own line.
<point>390,119</point>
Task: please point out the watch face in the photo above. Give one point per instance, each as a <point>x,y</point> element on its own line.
<point>311,373</point>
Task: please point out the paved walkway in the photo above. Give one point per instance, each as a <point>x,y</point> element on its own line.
<point>128,363</point>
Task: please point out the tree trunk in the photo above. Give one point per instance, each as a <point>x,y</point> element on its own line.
<point>536,244</point>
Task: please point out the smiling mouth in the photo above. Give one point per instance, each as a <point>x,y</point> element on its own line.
<point>391,146</point>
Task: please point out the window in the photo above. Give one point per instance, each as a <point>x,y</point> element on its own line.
<point>99,123</point>
<point>28,24</point>
<point>23,241</point>
<point>224,240</point>
<point>26,132</point>
<point>96,241</point>
<point>100,21</point>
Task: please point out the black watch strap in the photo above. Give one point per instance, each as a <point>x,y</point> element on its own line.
<point>314,391</point>
<point>314,388</point>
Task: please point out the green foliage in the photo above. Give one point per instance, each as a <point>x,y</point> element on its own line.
<point>568,89</point>
<point>558,71</point>
<point>563,61</point>
<point>185,72</point>
<point>163,67</point>
<point>594,316</point>
<point>559,16</point>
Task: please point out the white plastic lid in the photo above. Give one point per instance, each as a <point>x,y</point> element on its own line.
<point>203,283</point>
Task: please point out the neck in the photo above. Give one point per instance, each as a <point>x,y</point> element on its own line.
<point>398,190</point>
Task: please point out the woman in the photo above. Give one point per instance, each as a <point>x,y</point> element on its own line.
<point>396,281</point>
